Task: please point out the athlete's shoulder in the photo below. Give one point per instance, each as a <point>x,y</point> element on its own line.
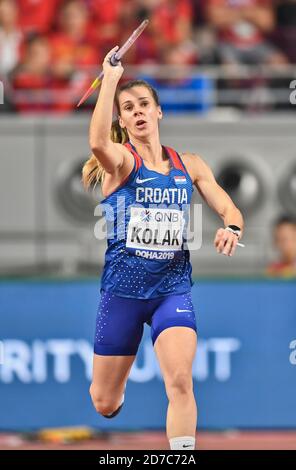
<point>195,164</point>
<point>191,157</point>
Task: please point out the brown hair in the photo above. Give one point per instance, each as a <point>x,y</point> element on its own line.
<point>93,172</point>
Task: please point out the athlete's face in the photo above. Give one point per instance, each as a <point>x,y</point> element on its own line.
<point>138,111</point>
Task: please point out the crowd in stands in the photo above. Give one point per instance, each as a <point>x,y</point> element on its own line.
<point>53,47</point>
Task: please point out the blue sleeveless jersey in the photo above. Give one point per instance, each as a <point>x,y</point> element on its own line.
<point>146,221</point>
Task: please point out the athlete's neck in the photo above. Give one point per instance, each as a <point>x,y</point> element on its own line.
<point>151,151</point>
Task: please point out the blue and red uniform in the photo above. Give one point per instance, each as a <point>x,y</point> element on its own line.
<point>147,272</point>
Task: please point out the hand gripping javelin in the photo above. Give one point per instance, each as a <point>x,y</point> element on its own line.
<point>115,59</point>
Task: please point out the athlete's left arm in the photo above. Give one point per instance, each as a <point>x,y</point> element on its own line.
<point>215,196</point>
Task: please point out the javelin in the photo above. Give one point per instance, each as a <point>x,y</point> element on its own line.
<point>115,59</point>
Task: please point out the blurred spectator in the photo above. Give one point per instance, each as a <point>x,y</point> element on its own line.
<point>285,243</point>
<point>10,36</point>
<point>37,15</point>
<point>203,35</point>
<point>144,49</point>
<point>170,24</point>
<point>242,27</point>
<point>73,45</point>
<point>37,89</point>
<point>106,22</point>
<point>181,92</point>
<point>198,13</point>
<point>285,34</point>
<point>172,21</point>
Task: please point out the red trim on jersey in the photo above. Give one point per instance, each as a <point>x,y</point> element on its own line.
<point>175,159</point>
<point>138,164</point>
<point>124,181</point>
<point>136,156</point>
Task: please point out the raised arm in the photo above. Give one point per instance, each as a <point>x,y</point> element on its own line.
<point>109,154</point>
<point>215,196</point>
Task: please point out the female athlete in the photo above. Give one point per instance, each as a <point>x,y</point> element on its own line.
<point>147,272</point>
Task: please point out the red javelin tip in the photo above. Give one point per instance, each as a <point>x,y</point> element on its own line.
<point>85,96</point>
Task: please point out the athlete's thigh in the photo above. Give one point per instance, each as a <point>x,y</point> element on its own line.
<point>174,336</point>
<point>119,330</point>
<point>175,349</point>
<point>172,311</point>
<point>119,326</point>
<point>110,373</point>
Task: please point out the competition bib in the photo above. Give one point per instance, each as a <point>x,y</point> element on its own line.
<point>157,231</point>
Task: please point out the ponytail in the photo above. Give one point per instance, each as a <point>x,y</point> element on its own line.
<point>93,172</point>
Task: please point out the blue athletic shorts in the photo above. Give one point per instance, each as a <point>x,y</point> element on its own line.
<point>120,320</point>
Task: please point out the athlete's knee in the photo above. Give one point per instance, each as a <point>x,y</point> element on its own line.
<point>104,407</point>
<point>180,383</point>
<point>102,404</point>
